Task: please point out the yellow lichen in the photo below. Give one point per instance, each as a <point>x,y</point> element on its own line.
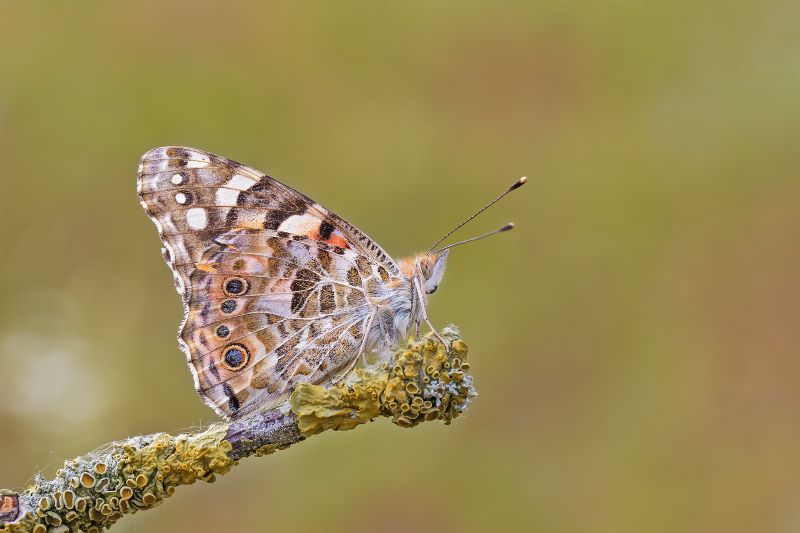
<point>80,505</point>
<point>132,475</point>
<point>266,450</point>
<point>426,381</point>
<point>423,382</point>
<point>87,480</point>
<point>340,407</point>
<point>434,381</point>
<point>69,499</point>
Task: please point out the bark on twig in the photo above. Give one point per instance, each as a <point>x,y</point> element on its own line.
<point>90,493</point>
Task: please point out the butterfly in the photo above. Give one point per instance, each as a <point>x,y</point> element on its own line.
<point>276,289</point>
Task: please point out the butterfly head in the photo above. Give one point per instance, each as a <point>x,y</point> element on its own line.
<point>430,268</point>
<point>427,267</point>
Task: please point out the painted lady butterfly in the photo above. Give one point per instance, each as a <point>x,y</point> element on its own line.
<point>276,289</point>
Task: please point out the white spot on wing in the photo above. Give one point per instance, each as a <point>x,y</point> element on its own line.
<point>227,196</point>
<point>177,179</point>
<point>304,224</point>
<point>240,182</point>
<point>229,193</point>
<point>197,160</point>
<point>180,198</point>
<point>197,218</point>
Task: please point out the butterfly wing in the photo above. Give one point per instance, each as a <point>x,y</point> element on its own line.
<point>269,310</point>
<point>274,285</point>
<point>193,196</point>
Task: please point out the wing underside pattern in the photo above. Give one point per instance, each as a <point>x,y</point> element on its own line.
<point>276,288</point>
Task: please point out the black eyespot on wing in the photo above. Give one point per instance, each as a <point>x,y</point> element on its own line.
<point>228,306</point>
<point>235,357</point>
<point>235,286</point>
<point>223,331</point>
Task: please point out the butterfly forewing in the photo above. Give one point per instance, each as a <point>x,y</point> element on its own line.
<point>273,284</point>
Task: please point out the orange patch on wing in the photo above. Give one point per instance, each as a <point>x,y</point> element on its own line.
<point>333,240</point>
<point>336,240</point>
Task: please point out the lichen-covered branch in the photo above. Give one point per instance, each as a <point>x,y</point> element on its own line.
<point>90,493</point>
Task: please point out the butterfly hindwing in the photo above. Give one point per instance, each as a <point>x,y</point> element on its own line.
<point>265,314</point>
<point>274,285</point>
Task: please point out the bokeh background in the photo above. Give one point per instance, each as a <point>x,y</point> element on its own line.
<point>634,341</point>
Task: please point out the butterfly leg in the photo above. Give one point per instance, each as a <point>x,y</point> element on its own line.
<point>436,333</point>
<point>418,288</point>
<point>362,351</point>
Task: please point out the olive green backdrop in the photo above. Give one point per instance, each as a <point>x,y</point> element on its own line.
<point>634,341</point>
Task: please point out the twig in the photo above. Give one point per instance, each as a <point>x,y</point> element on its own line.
<point>90,493</point>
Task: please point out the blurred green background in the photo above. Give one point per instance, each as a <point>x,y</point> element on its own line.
<point>634,341</point>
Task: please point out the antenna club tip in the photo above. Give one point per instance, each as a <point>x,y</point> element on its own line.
<point>519,183</point>
<point>507,227</point>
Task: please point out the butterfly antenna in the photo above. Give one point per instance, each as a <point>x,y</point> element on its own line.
<point>507,227</point>
<point>517,184</point>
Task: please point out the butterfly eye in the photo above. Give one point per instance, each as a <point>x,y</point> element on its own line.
<point>223,331</point>
<point>235,286</point>
<point>235,357</point>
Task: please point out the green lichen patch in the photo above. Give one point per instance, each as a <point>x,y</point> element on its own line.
<point>423,381</point>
